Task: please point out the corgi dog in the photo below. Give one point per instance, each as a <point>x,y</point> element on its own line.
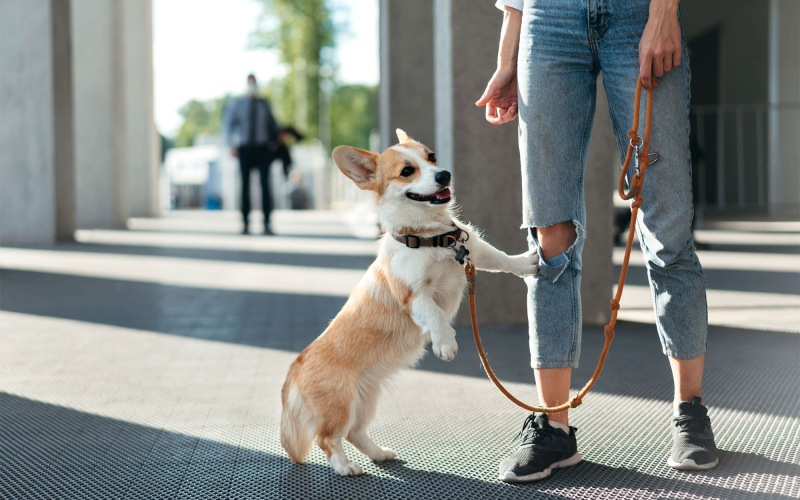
<point>407,297</point>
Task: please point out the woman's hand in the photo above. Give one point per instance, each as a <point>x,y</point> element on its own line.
<point>660,46</point>
<point>500,96</point>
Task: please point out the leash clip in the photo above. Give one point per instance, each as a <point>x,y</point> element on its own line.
<point>636,157</point>
<point>461,254</point>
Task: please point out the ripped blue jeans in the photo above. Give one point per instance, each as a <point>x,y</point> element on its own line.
<point>564,46</point>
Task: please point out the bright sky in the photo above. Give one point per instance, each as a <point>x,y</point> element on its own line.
<point>200,50</point>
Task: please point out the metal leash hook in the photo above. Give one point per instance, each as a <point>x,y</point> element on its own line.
<point>461,252</point>
<point>636,153</point>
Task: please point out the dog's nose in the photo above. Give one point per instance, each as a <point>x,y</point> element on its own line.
<point>442,178</point>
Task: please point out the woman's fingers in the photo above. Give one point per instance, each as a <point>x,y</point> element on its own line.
<point>658,67</point>
<point>646,71</point>
<point>499,116</point>
<point>487,95</point>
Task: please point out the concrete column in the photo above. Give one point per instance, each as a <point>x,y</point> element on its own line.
<point>485,161</point>
<point>63,119</point>
<point>27,123</point>
<point>140,141</point>
<point>406,88</point>
<point>600,179</point>
<point>116,146</point>
<point>484,158</point>
<point>98,164</point>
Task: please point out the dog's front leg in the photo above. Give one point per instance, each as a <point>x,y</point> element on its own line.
<point>432,319</point>
<point>487,258</point>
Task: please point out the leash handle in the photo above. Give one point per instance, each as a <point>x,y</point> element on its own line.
<point>642,154</point>
<point>635,194</point>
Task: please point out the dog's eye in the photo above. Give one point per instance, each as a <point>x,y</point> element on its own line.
<point>408,171</point>
<point>431,157</point>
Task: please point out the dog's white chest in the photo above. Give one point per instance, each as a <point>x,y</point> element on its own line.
<point>445,280</point>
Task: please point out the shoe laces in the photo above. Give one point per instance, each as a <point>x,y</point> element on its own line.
<point>690,422</point>
<point>531,433</point>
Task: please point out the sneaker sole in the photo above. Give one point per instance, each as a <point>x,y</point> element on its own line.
<point>510,477</point>
<point>689,464</point>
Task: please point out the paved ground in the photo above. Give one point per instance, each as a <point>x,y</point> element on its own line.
<point>148,363</point>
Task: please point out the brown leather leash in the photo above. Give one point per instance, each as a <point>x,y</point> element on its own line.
<point>642,159</point>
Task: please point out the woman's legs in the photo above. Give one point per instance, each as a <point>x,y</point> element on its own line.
<point>676,278</point>
<point>557,75</point>
<point>552,384</point>
<point>687,375</point>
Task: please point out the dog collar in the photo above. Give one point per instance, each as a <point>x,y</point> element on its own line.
<point>444,240</point>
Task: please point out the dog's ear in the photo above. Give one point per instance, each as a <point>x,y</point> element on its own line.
<point>357,164</point>
<point>402,136</point>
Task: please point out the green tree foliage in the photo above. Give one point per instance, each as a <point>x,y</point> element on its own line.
<point>300,30</point>
<point>303,34</point>
<point>200,118</point>
<point>353,112</point>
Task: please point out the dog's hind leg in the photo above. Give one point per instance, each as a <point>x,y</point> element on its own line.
<point>332,446</point>
<point>337,416</point>
<point>368,447</point>
<point>364,413</point>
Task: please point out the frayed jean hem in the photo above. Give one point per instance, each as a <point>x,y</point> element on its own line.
<point>684,355</point>
<point>548,363</point>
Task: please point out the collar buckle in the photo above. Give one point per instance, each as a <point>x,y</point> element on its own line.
<point>412,237</point>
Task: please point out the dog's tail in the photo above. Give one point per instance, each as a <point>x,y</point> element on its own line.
<point>297,430</point>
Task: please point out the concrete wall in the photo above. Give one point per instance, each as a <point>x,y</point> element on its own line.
<point>116,141</point>
<point>140,148</point>
<point>76,117</point>
<point>784,95</point>
<point>63,120</point>
<point>600,181</point>
<point>744,45</point>
<point>27,181</point>
<point>484,158</point>
<point>98,165</point>
<point>759,63</point>
<point>406,88</point>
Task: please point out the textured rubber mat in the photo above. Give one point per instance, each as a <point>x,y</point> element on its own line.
<point>115,388</point>
<point>208,429</point>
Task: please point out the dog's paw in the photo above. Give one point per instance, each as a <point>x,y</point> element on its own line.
<point>383,455</point>
<point>446,349</point>
<point>525,264</point>
<point>347,469</point>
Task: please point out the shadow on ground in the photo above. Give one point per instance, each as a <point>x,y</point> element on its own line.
<point>52,451</point>
<point>741,369</point>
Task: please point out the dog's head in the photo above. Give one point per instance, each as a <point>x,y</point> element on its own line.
<point>405,176</point>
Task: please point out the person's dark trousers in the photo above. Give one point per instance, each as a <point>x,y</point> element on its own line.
<point>256,157</point>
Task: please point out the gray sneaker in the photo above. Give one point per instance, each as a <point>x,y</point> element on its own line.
<point>543,449</point>
<point>693,446</point>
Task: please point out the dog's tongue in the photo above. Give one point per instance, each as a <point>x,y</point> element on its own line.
<point>443,194</point>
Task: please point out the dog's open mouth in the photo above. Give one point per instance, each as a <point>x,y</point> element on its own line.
<point>436,198</point>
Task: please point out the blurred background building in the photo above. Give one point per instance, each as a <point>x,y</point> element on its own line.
<point>80,147</point>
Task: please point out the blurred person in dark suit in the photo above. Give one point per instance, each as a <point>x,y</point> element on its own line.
<point>252,133</point>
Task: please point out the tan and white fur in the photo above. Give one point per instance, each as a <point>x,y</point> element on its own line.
<point>406,298</point>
